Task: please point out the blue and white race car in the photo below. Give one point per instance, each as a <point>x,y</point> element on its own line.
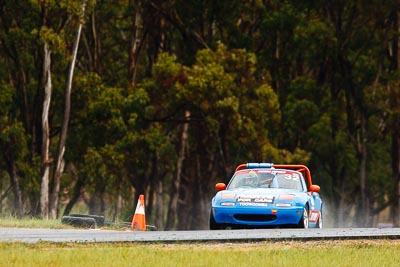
<point>267,195</point>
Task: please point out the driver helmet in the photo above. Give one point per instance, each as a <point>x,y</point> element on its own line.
<point>251,178</point>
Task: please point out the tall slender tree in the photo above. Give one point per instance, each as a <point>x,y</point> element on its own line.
<point>59,163</point>
<point>46,161</point>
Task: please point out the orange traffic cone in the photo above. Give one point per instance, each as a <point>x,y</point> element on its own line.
<point>139,220</point>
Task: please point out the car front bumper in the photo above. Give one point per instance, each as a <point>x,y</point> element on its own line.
<point>256,216</point>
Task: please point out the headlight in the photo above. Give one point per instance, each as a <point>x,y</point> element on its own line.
<point>228,195</point>
<point>286,197</point>
<point>227,204</point>
<point>283,204</point>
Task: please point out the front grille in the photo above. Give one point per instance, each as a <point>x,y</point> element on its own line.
<point>255,217</point>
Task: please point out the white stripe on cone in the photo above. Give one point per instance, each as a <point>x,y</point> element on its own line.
<point>139,208</point>
<point>139,219</point>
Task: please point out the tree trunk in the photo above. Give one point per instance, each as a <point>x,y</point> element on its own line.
<point>63,135</point>
<point>396,174</point>
<point>46,162</point>
<point>173,204</point>
<point>159,222</point>
<point>16,189</point>
<point>395,123</point>
<point>152,188</point>
<point>365,209</point>
<point>197,213</point>
<point>93,49</point>
<point>76,192</point>
<point>118,200</point>
<point>75,196</point>
<point>136,43</point>
<point>97,204</point>
<point>97,48</point>
<point>118,205</point>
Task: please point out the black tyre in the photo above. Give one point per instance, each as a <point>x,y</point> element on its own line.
<point>84,222</point>
<point>98,218</point>
<point>151,228</point>
<point>304,220</point>
<point>213,224</point>
<point>320,221</point>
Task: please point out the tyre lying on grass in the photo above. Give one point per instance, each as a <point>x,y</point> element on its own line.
<point>85,222</point>
<point>100,219</point>
<point>94,221</point>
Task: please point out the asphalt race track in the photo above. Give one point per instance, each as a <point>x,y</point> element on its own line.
<point>96,235</point>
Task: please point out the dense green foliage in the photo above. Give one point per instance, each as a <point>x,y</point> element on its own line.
<point>169,96</point>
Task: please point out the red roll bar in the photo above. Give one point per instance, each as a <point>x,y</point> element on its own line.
<point>300,168</point>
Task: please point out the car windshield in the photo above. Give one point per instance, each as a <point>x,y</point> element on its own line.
<point>266,179</point>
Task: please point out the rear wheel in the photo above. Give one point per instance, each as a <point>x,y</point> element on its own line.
<point>320,221</point>
<point>304,220</point>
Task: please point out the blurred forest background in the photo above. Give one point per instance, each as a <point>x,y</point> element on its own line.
<point>104,100</point>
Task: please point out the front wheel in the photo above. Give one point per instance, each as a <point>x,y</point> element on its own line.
<point>213,224</point>
<point>304,220</point>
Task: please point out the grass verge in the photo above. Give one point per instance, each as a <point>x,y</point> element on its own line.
<point>10,221</point>
<point>288,253</point>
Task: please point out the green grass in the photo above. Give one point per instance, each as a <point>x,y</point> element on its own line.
<point>294,253</point>
<point>10,221</point>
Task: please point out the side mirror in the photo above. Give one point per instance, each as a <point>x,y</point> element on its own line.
<point>220,186</point>
<point>314,188</point>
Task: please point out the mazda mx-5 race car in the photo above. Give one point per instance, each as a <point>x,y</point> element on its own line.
<point>267,195</point>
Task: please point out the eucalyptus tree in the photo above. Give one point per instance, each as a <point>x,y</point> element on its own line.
<point>60,162</point>
<point>32,37</point>
<point>325,59</point>
<point>21,77</point>
<point>14,152</point>
<point>232,112</point>
<point>387,95</point>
